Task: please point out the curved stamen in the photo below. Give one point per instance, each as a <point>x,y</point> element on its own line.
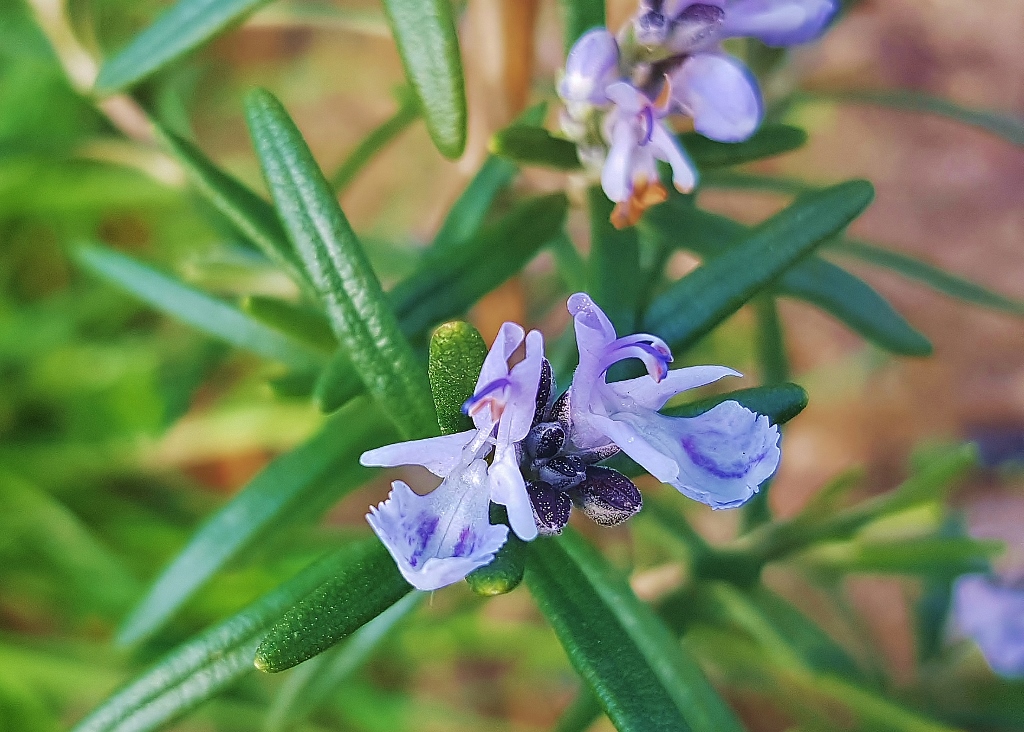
<point>647,124</point>
<point>657,343</point>
<point>493,395</point>
<point>653,358</point>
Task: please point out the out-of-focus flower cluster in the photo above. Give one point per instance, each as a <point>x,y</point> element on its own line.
<point>668,59</point>
<point>544,450</point>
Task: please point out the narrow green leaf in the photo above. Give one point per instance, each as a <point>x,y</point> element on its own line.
<point>1003,124</point>
<point>457,353</point>
<point>637,670</point>
<point>200,668</point>
<point>530,145</point>
<point>467,214</point>
<point>780,402</point>
<point>250,214</point>
<point>769,140</point>
<point>932,556</point>
<point>937,279</point>
<point>744,181</point>
<point>317,472</point>
<point>301,322</point>
<point>580,16</point>
<point>407,113</point>
<point>771,342</point>
<point>785,538</point>
<point>196,308</point>
<point>449,282</point>
<point>337,265</point>
<point>694,305</point>
<point>184,27</point>
<point>313,683</point>
<point>852,301</point>
<point>424,31</point>
<point>360,591</point>
<point>839,293</point>
<point>337,384</point>
<point>614,274</point>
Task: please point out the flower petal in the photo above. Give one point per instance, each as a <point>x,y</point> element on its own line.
<point>652,458</point>
<point>591,66</point>
<point>439,455</point>
<point>508,488</point>
<point>696,27</point>
<point>617,171</point>
<point>993,616</point>
<point>722,456</point>
<point>551,508</point>
<point>494,370</point>
<point>666,147</point>
<point>524,380</point>
<point>645,392</point>
<point>439,538</point>
<point>720,94</point>
<point>779,22</point>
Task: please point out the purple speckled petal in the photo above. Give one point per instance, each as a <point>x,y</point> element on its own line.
<point>721,95</point>
<point>779,22</point>
<point>439,455</point>
<point>591,66</point>
<point>645,392</point>
<point>993,616</point>
<point>697,27</point>
<point>722,456</point>
<point>439,538</point>
<point>551,508</point>
<point>607,496</point>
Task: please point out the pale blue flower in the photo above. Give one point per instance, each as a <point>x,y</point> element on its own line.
<point>992,614</point>
<point>719,458</point>
<point>438,538</point>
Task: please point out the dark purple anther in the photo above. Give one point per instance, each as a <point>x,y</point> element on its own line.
<point>607,496</point>
<point>695,26</point>
<point>563,472</point>
<point>551,508</point>
<point>545,440</point>
<point>544,390</point>
<point>560,410</point>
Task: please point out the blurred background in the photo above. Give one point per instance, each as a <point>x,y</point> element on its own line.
<point>120,429</point>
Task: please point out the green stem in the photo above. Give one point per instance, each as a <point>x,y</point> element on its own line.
<point>408,112</point>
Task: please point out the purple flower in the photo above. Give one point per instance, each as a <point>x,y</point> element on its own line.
<point>438,538</point>
<point>719,458</point>
<point>992,614</point>
<point>592,66</point>
<point>638,139</point>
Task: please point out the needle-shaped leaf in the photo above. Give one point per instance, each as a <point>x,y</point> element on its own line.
<point>457,353</point>
<point>694,305</point>
<point>827,286</point>
<point>298,321</point>
<point>780,402</point>
<point>938,279</point>
<point>424,31</point>
<point>637,670</point>
<point>360,591</point>
<point>1004,124</point>
<point>315,473</point>
<point>407,113</point>
<point>315,681</point>
<point>339,270</point>
<point>769,140</point>
<point>852,301</point>
<point>184,27</point>
<point>615,279</point>
<point>467,214</point>
<point>198,309</point>
<point>932,556</point>
<point>250,214</point>
<point>450,280</point>
<point>531,145</point>
<point>200,668</point>
<point>580,16</point>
